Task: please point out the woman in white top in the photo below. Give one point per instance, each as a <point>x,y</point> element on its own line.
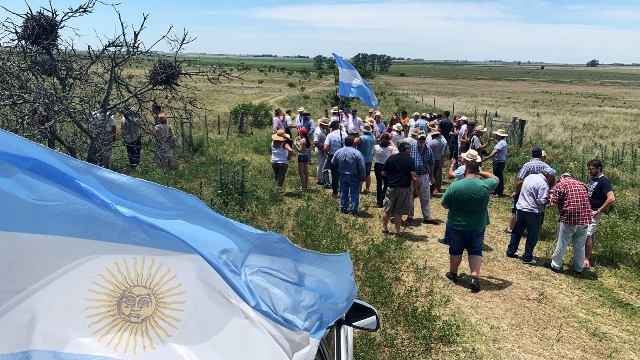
<point>303,145</point>
<point>382,150</point>
<point>397,134</point>
<point>280,154</point>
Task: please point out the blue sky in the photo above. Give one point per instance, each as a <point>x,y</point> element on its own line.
<point>537,30</point>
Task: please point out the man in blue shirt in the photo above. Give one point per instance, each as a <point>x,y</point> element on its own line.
<point>365,144</point>
<point>499,156</point>
<point>307,122</point>
<point>350,165</point>
<point>333,143</point>
<point>423,162</point>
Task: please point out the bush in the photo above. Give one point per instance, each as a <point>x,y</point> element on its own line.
<point>291,85</point>
<point>255,115</point>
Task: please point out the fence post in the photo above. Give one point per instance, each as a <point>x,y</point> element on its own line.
<point>182,133</point>
<point>326,113</point>
<point>228,126</point>
<point>190,131</point>
<point>422,99</point>
<point>434,103</point>
<point>486,113</point>
<point>206,132</point>
<point>218,124</point>
<point>453,111</point>
<point>513,129</point>
<point>521,125</point>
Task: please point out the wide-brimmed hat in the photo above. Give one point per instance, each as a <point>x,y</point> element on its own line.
<point>472,155</point>
<point>371,111</point>
<point>397,127</point>
<point>463,118</point>
<point>481,128</point>
<point>424,115</point>
<point>300,109</point>
<point>416,114</point>
<point>370,121</point>
<point>280,135</point>
<point>422,134</point>
<point>335,109</point>
<point>501,133</point>
<point>366,129</point>
<point>566,175</point>
<point>377,113</point>
<point>415,131</point>
<point>324,121</point>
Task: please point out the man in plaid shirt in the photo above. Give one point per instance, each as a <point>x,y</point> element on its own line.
<point>572,199</point>
<point>423,160</point>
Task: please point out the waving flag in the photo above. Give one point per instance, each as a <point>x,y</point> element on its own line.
<point>98,265</point>
<point>351,84</point>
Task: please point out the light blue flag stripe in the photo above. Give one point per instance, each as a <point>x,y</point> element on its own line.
<point>351,84</point>
<point>45,192</point>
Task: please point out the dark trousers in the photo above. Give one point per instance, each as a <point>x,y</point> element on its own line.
<point>453,147</point>
<point>531,222</point>
<point>279,171</point>
<point>133,151</point>
<point>335,176</point>
<point>437,175</point>
<point>498,170</point>
<point>381,184</point>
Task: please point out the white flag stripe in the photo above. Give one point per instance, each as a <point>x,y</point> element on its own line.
<point>198,315</point>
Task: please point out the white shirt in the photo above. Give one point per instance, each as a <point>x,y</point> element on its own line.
<point>396,137</point>
<point>382,153</point>
<point>353,125</point>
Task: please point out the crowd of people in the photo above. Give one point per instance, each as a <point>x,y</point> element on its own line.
<point>408,156</point>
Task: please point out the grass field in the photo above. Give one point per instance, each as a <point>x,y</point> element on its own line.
<point>523,312</point>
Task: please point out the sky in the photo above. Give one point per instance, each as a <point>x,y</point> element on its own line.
<point>527,30</point>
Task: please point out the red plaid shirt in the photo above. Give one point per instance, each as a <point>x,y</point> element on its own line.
<point>573,202</point>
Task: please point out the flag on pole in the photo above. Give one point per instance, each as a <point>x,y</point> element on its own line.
<point>351,84</point>
<point>99,265</point>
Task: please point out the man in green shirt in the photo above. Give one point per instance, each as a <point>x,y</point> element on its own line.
<point>467,201</point>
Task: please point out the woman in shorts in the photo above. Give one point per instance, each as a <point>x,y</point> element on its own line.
<point>303,145</point>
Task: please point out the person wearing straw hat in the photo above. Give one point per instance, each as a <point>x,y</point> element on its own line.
<point>335,114</point>
<point>412,121</point>
<point>365,143</point>
<point>475,140</point>
<point>397,135</point>
<point>423,163</point>
<point>319,137</point>
<point>369,119</point>
<point>534,196</point>
<point>379,127</point>
<point>280,155</point>
<point>499,156</point>
<point>298,118</point>
<point>467,201</point>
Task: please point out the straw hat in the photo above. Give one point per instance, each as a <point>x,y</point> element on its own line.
<point>424,115</point>
<point>472,155</point>
<point>397,127</point>
<point>422,134</point>
<point>366,129</point>
<point>481,128</point>
<point>370,121</point>
<point>416,114</point>
<point>434,132</point>
<point>371,111</point>
<point>415,131</point>
<point>280,136</point>
<point>324,121</point>
<point>335,110</point>
<point>377,113</point>
<point>501,133</point>
<point>300,109</point>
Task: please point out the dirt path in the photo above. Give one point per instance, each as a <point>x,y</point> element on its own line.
<point>525,312</point>
<point>272,99</point>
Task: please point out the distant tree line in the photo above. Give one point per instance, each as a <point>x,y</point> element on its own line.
<point>365,63</point>
<point>593,63</point>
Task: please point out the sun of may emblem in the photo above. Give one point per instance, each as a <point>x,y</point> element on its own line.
<point>136,305</point>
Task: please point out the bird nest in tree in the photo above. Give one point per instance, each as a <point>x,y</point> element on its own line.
<point>40,30</point>
<point>164,73</point>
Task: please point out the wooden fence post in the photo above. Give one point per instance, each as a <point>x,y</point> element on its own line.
<point>434,103</point>
<point>241,123</point>
<point>218,124</point>
<point>521,125</point>
<point>228,126</point>
<point>513,129</point>
<point>182,134</point>
<point>453,111</point>
<point>206,132</point>
<point>486,113</point>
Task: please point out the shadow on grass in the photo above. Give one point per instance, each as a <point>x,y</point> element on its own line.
<point>414,237</point>
<point>487,283</point>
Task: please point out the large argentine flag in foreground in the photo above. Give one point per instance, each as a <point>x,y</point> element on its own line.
<point>97,265</point>
<point>351,84</point>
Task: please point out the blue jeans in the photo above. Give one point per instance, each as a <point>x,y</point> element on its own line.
<point>462,239</point>
<point>530,221</point>
<point>498,170</point>
<point>349,185</point>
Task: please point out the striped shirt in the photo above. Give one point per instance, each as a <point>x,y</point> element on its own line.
<point>572,199</point>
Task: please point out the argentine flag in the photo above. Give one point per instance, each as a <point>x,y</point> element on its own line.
<point>351,84</point>
<point>98,265</point>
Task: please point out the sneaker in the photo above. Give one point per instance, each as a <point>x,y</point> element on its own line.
<point>529,262</point>
<point>451,276</point>
<point>474,285</point>
<point>443,241</point>
<point>513,256</point>
<point>344,211</point>
<point>432,221</point>
<point>548,264</point>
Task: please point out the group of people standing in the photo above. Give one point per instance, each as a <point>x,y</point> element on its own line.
<point>408,153</point>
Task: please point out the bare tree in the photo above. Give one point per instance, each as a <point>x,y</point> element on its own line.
<point>51,92</point>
